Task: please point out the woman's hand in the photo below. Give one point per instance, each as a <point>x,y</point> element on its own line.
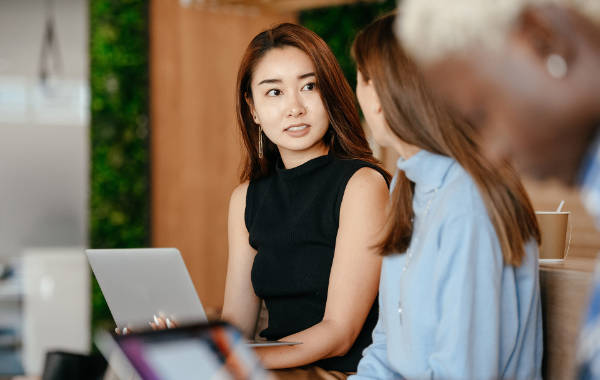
<point>159,323</point>
<point>123,331</point>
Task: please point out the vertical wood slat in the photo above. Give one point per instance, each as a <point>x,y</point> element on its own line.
<point>195,146</point>
<point>564,292</point>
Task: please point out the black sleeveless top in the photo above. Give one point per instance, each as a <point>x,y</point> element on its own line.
<point>292,217</point>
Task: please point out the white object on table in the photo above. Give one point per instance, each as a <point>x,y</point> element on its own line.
<point>56,284</point>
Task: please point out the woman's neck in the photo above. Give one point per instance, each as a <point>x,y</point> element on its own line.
<point>405,150</point>
<point>294,158</point>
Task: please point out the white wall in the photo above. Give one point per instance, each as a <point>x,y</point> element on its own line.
<point>43,140</point>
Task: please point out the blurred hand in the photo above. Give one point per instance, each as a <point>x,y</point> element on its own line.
<point>123,331</point>
<point>161,323</point>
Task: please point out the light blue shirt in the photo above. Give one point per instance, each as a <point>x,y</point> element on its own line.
<point>457,311</point>
<point>589,180</point>
<point>588,350</point>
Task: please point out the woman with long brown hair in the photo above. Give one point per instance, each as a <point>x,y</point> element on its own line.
<point>303,223</point>
<point>459,292</point>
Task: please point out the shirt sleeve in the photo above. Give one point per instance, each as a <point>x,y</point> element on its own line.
<point>469,272</point>
<point>374,363</point>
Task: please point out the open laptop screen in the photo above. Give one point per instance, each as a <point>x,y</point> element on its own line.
<point>204,351</point>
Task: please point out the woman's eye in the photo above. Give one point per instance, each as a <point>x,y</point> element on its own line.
<point>274,92</point>
<point>309,86</point>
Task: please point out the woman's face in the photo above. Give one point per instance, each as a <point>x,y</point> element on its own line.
<point>286,102</point>
<point>371,109</point>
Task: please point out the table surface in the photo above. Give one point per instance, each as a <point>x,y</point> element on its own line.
<point>577,264</point>
<point>564,291</point>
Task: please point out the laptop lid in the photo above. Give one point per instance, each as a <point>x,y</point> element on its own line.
<point>140,283</point>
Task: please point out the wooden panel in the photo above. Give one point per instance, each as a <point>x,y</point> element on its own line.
<point>195,145</point>
<point>564,291</point>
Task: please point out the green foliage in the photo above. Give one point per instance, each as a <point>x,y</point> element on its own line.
<point>338,27</point>
<point>119,199</point>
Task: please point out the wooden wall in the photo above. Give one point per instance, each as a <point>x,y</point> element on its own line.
<point>195,147</point>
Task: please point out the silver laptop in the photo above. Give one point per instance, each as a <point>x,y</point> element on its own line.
<point>140,283</point>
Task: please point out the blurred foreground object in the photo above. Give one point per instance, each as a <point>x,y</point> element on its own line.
<point>57,304</point>
<point>525,72</point>
<point>588,354</point>
<point>61,365</point>
<point>213,350</point>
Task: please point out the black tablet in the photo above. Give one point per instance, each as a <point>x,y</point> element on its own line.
<point>213,350</point>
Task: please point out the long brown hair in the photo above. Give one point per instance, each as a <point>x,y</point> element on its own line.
<point>418,119</point>
<point>344,137</point>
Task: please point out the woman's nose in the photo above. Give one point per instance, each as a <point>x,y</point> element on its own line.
<point>296,107</point>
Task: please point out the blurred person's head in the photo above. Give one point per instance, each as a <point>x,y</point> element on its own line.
<point>525,71</point>
<point>403,114</point>
<point>291,89</point>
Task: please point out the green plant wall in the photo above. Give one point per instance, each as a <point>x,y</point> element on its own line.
<point>338,27</point>
<point>120,165</point>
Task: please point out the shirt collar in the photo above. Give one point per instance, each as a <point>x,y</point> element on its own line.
<point>426,169</point>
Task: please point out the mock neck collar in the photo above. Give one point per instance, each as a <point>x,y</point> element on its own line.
<point>305,168</point>
<point>426,169</point>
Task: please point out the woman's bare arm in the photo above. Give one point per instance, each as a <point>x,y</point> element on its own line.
<point>241,305</point>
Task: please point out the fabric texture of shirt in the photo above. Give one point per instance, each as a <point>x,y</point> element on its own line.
<point>458,311</point>
<point>588,350</point>
<point>589,180</point>
<point>292,217</point>
<point>588,353</point>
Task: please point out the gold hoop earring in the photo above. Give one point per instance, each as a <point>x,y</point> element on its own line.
<point>260,142</point>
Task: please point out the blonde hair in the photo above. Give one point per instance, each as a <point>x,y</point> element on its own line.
<point>432,29</point>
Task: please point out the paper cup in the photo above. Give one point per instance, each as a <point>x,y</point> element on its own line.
<point>553,227</point>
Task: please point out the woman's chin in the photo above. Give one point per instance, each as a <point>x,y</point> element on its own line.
<point>298,145</point>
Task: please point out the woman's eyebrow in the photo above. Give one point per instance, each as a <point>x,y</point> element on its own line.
<point>266,81</point>
<point>277,80</point>
<point>306,75</point>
